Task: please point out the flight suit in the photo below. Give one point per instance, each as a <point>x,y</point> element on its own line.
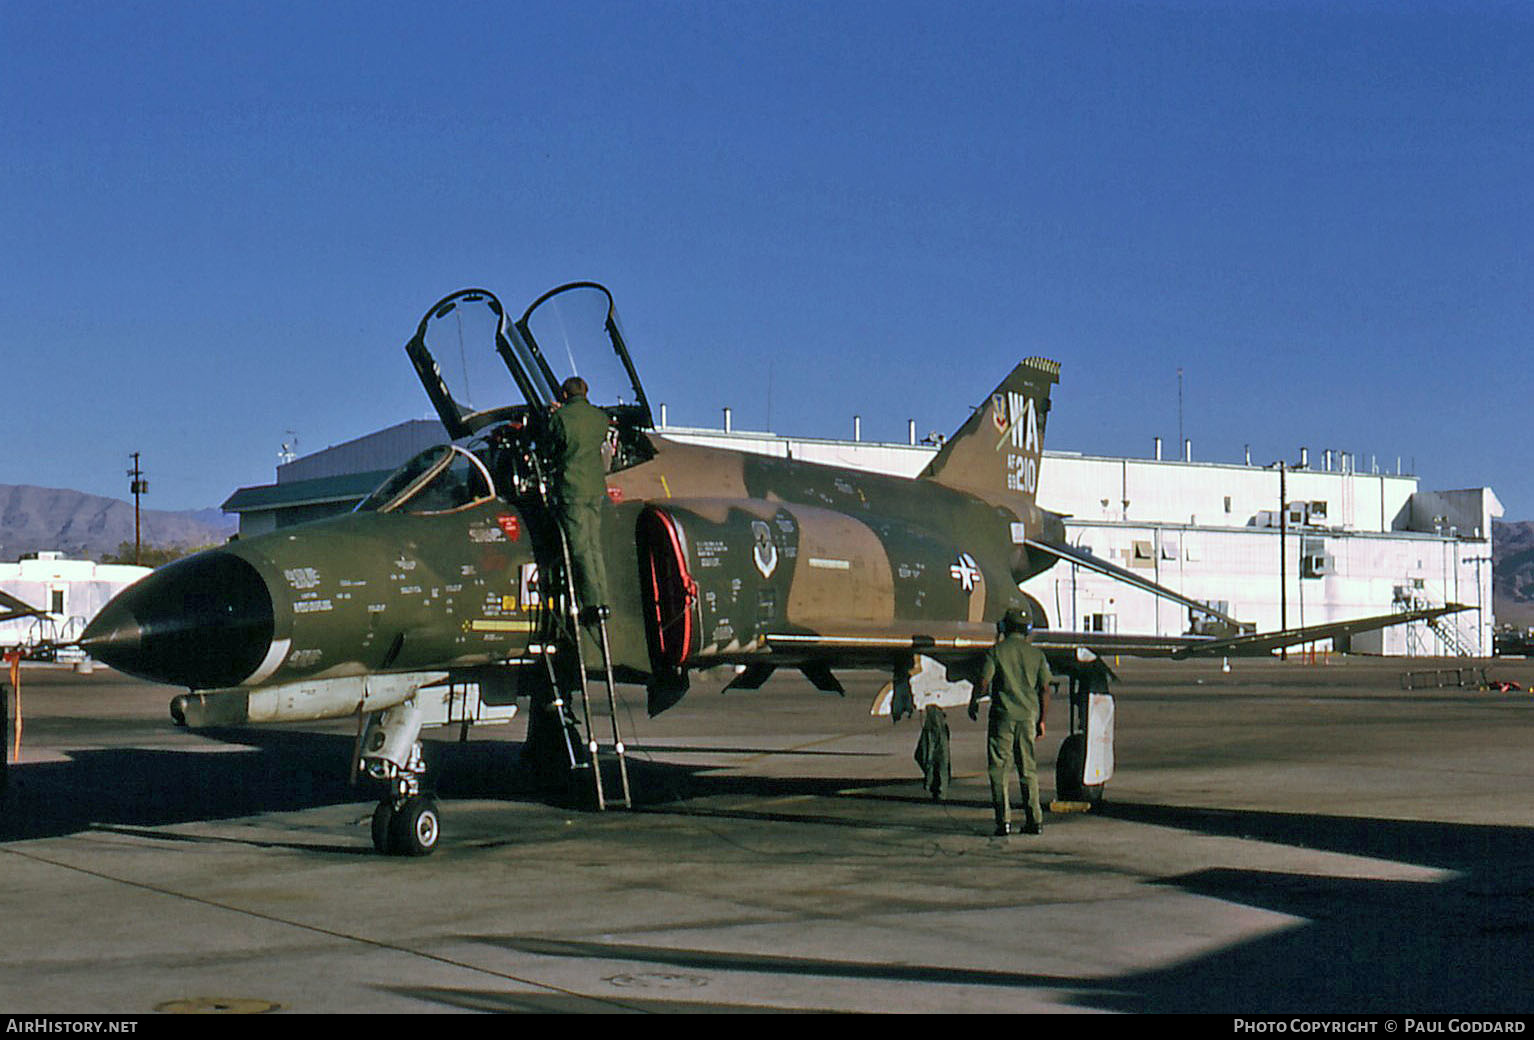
<point>578,435</point>
<point>932,753</point>
<point>1016,673</point>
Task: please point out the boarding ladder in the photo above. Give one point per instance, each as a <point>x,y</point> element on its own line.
<point>567,623</point>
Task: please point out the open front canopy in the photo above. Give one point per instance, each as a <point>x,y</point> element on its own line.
<point>454,350</point>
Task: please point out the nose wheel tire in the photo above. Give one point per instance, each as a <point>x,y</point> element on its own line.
<point>416,827</point>
<point>383,820</point>
<point>411,830</point>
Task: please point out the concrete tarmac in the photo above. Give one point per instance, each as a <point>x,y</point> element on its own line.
<point>1288,837</point>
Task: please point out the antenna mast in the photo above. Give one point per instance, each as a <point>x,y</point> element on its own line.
<point>1181,443</point>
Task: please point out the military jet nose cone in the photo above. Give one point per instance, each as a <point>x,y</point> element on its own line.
<point>112,632</point>
<point>203,622</point>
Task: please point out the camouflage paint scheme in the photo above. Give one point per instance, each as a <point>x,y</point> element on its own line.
<point>776,546</point>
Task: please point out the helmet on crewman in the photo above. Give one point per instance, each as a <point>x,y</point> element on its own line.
<point>1016,619</point>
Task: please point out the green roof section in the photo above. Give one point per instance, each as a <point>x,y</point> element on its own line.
<point>318,491</point>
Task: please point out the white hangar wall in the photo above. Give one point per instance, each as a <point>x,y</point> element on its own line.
<point>1357,544</point>
<point>1332,576</point>
<point>1217,494</point>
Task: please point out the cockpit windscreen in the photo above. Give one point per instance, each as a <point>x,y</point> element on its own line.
<point>438,480</point>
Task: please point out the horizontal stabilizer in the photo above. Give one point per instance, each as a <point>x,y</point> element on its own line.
<point>1264,642</point>
<point>1082,558</point>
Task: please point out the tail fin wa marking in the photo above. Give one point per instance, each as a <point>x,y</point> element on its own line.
<point>998,449</point>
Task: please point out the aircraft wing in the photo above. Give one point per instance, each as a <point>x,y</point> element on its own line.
<point>952,644</point>
<point>858,649</point>
<point>857,645</point>
<point>12,608</point>
<point>1082,558</point>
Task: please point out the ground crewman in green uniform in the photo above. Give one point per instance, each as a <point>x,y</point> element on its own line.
<point>1016,676</point>
<point>578,434</point>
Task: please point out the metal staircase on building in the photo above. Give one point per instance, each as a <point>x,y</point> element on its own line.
<point>1434,637</point>
<point>1448,632</point>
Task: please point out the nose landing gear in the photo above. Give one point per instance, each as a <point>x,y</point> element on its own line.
<point>406,822</point>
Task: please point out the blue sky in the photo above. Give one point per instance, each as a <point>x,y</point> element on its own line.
<point>221,221</point>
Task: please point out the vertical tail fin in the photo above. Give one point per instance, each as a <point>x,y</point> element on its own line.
<point>997,451</point>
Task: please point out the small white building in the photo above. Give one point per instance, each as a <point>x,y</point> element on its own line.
<point>71,592</point>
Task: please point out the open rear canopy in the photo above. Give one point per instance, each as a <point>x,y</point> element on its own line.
<point>574,331</point>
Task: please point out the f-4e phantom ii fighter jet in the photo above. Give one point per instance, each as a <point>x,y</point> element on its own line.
<point>444,598</point>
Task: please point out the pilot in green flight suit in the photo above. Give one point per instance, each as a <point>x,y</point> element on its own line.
<point>579,433</point>
<point>1016,675</point>
<point>578,479</point>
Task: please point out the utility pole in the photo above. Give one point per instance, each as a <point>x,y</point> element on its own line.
<point>138,486</point>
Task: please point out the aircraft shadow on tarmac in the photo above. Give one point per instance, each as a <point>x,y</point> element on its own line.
<point>141,787</point>
<point>496,1001</point>
<point>1360,946</point>
<point>287,771</point>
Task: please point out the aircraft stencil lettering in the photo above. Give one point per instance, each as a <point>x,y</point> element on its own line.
<point>1024,423</point>
<point>713,557</point>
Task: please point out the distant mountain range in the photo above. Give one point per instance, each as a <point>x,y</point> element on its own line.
<point>1512,572</point>
<point>35,519</point>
